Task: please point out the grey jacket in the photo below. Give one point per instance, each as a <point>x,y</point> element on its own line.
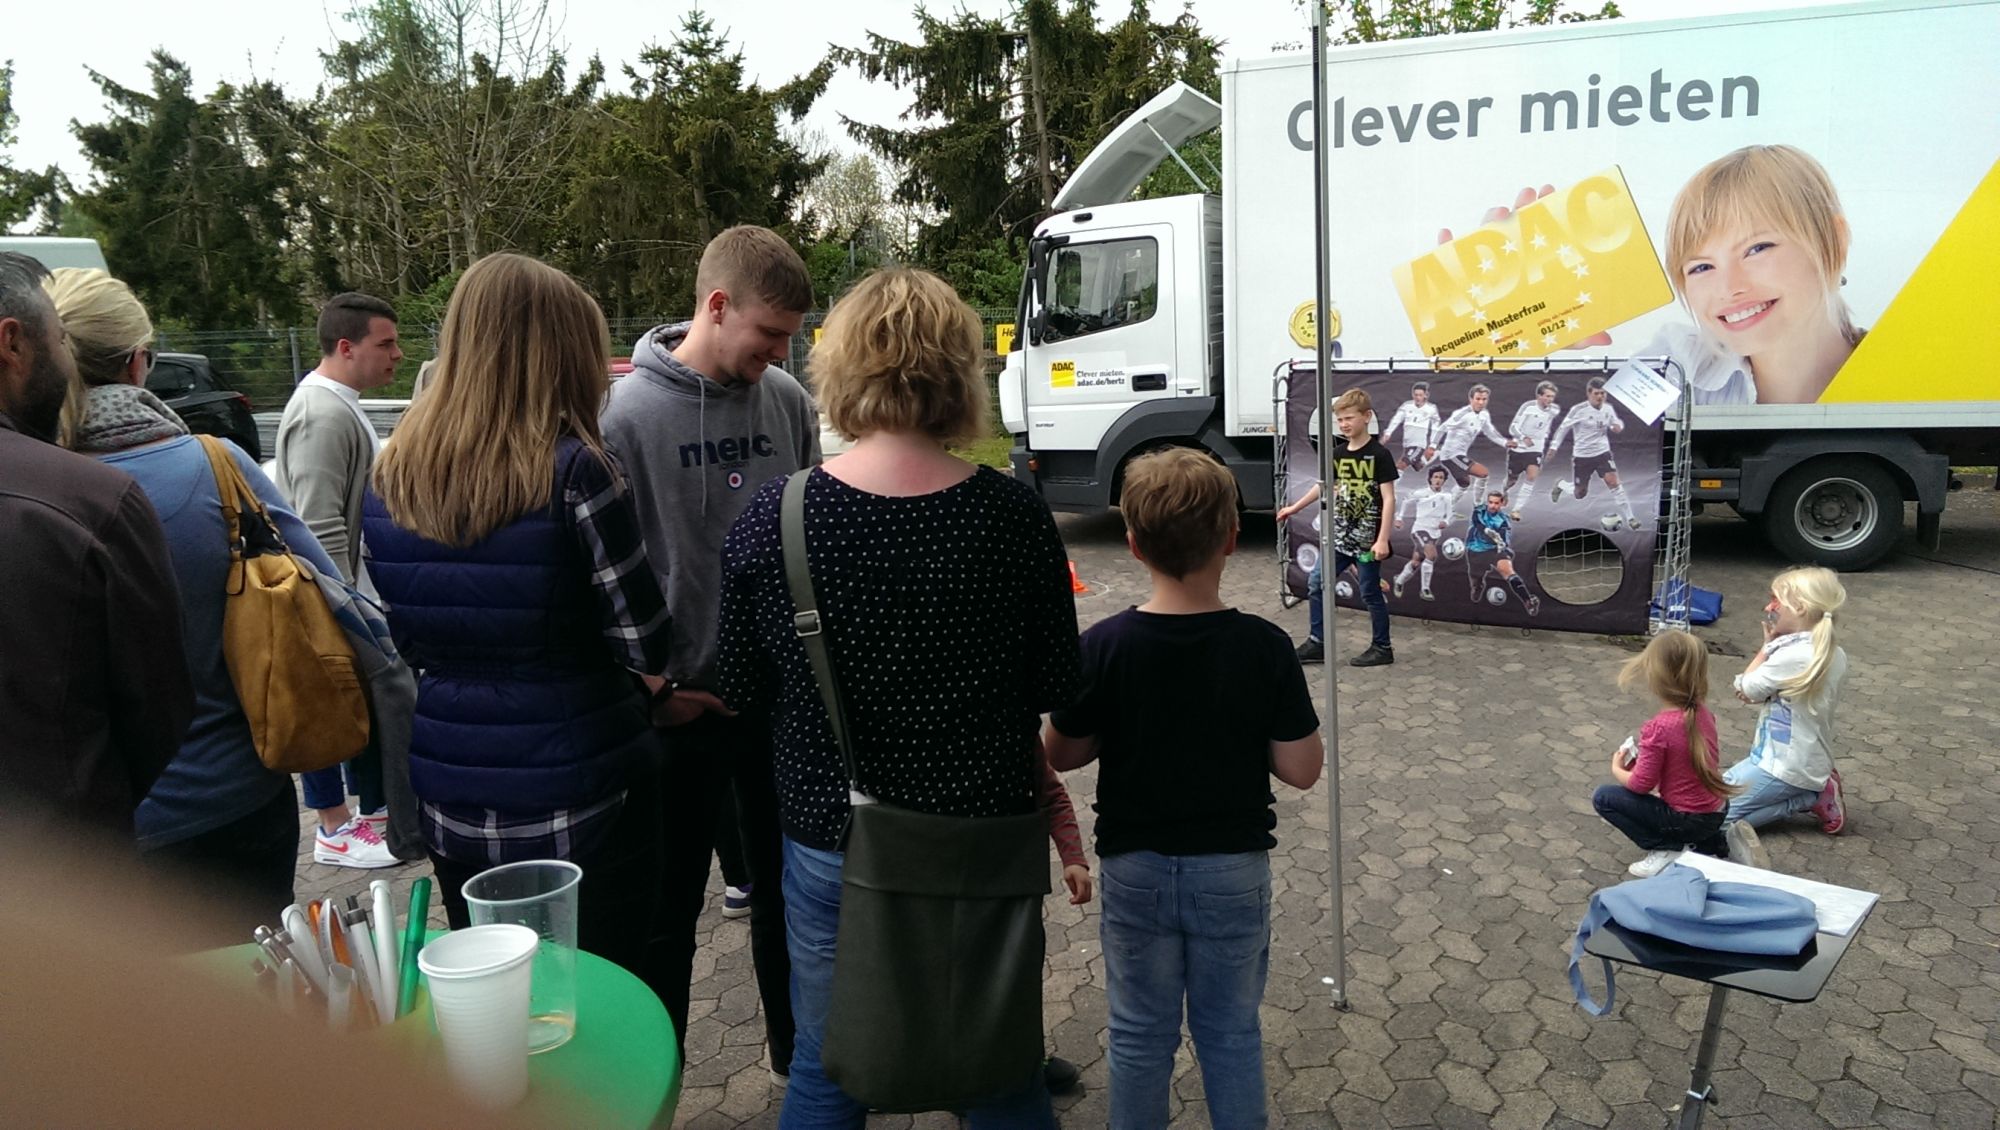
<point>695,452</point>
<point>323,461</point>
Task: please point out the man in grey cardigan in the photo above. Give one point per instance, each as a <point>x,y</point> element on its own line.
<point>704,419</point>
<point>326,449</point>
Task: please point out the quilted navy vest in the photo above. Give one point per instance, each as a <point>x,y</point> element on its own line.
<point>521,704</point>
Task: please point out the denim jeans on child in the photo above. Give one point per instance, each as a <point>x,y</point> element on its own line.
<point>324,788</point>
<point>1764,798</point>
<point>812,919</point>
<point>1371,598</point>
<point>1191,930</point>
<point>1650,823</point>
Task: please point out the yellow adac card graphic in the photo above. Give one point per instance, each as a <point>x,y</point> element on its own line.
<point>1574,263</point>
<point>1304,331</point>
<point>1003,338</point>
<point>1062,374</point>
<point>1925,346</point>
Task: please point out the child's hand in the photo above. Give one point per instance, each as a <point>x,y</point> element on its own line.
<point>1380,549</point>
<point>1077,878</point>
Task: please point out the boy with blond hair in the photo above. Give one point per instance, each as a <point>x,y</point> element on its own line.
<point>1364,500</point>
<point>1184,817</point>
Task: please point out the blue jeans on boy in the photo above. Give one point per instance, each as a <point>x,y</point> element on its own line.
<point>1193,929</point>
<point>324,788</point>
<point>812,920</point>
<point>1764,798</point>
<point>1371,598</point>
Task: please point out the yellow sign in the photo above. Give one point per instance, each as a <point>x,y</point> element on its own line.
<point>1303,333</point>
<point>1062,374</point>
<point>818,332</point>
<point>1003,338</point>
<point>1570,265</point>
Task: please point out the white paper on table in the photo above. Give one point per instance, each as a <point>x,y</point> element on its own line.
<point>1839,909</point>
<point>1647,393</point>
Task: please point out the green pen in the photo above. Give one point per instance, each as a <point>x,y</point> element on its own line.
<point>413,940</point>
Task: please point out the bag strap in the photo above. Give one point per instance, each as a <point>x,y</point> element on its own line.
<point>238,500</point>
<point>806,620</point>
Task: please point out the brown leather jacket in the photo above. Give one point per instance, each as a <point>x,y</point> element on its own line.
<point>94,687</point>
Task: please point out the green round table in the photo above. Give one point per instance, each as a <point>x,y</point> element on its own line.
<point>622,1068</point>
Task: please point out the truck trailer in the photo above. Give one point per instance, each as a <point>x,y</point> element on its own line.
<point>1814,196</point>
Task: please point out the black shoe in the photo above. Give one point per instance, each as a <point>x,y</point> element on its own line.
<point>1060,1075</point>
<point>1312,651</point>
<point>1373,657</point>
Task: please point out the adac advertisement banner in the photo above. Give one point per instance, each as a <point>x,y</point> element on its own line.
<point>1523,499</point>
<point>1800,209</point>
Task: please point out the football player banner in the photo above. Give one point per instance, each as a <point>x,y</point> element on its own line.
<point>1577,475</point>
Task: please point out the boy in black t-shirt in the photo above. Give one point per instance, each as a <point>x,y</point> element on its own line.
<point>1190,708</point>
<point>1364,500</point>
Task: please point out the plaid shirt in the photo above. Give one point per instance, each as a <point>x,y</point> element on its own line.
<point>600,509</point>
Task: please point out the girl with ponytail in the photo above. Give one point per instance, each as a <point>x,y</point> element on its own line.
<point>1674,755</point>
<point>1796,676</point>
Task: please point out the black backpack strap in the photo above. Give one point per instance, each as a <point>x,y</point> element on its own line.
<point>806,620</point>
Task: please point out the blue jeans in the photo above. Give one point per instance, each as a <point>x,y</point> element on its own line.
<point>1193,929</point>
<point>1371,598</point>
<point>1764,798</point>
<point>324,788</point>
<point>1654,825</point>
<point>812,921</point>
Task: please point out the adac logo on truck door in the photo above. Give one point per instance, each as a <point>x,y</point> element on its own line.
<point>1568,265</point>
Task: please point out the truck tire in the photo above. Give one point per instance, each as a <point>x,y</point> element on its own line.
<point>1843,512</point>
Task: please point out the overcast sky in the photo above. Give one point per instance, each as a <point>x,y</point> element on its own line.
<point>51,44</point>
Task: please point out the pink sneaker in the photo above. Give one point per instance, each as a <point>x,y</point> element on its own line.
<point>1832,814</point>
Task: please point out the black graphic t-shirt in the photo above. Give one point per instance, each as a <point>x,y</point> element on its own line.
<point>1355,499</point>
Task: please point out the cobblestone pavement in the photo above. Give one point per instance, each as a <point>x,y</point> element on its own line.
<point>1471,850</point>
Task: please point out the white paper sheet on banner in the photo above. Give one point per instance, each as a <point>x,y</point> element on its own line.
<point>1647,393</point>
<point>1839,909</point>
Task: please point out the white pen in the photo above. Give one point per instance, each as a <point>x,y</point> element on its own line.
<point>340,1001</point>
<point>387,965</point>
<point>303,948</point>
<point>361,954</point>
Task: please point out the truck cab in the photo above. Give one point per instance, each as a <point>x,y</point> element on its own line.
<point>1121,315</point>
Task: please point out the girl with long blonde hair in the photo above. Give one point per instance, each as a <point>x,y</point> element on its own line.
<point>504,539</point>
<point>1670,793</point>
<point>1796,678</point>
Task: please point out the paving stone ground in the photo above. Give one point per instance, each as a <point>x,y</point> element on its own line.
<point>1470,850</point>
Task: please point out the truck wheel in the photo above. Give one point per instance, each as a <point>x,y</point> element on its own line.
<point>1843,513</point>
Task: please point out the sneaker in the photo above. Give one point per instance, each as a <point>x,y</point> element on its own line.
<point>1631,523</point>
<point>1426,594</point>
<point>1654,863</point>
<point>1832,814</point>
<point>1744,846</point>
<point>1514,515</point>
<point>1556,495</point>
<point>781,1077</point>
<point>378,821</point>
<point>1399,590</point>
<point>354,844</point>
<point>1534,605</point>
<point>1060,1075</point>
<point>1312,651</point>
<point>1373,657</point>
<point>736,901</point>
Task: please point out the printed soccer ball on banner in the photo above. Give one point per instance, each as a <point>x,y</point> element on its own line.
<point>1610,521</point>
<point>1343,589</point>
<point>1496,596</point>
<point>1307,556</point>
<point>1454,548</point>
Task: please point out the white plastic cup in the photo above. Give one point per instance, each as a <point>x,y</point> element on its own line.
<point>479,984</point>
<point>540,894</point>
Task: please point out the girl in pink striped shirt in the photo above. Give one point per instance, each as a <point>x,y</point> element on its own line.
<point>1669,795</point>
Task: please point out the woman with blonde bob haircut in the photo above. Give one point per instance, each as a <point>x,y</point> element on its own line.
<point>504,539</point>
<point>902,352</point>
<point>945,593</point>
<point>215,810</point>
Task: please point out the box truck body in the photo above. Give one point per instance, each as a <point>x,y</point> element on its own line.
<point>1157,322</point>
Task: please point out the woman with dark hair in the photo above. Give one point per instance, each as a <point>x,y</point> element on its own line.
<point>503,538</point>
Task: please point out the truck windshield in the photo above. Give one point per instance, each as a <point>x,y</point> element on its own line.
<point>1098,286</point>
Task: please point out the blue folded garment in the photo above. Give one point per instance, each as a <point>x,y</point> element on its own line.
<point>1681,905</point>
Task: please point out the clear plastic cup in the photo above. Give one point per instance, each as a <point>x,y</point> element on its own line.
<point>479,994</point>
<point>541,895</point>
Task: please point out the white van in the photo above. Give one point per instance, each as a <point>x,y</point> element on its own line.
<point>56,251</point>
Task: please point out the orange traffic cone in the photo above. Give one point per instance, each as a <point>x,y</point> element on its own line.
<point>1075,585</point>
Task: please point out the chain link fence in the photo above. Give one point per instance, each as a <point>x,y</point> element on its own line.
<point>266,364</point>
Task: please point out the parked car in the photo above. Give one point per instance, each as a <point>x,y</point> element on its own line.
<point>190,386</point>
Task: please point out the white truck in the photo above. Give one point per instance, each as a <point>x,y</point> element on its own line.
<point>1163,321</point>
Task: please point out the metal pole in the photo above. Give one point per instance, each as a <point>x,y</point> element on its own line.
<point>1330,721</point>
<point>1700,1091</point>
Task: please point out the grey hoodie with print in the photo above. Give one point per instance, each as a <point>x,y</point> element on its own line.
<point>695,452</point>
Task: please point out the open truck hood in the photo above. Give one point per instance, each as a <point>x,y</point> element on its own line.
<point>1131,150</point>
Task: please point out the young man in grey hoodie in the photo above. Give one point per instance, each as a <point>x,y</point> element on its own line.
<point>704,419</point>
